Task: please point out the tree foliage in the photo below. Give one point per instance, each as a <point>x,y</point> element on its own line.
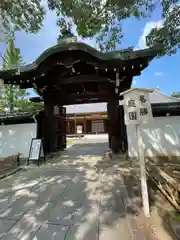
<point>176,94</point>
<point>100,18</point>
<point>34,107</point>
<point>103,18</point>
<point>168,35</point>
<point>12,97</point>
<point>20,15</point>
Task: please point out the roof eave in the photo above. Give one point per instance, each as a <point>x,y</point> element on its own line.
<point>149,53</point>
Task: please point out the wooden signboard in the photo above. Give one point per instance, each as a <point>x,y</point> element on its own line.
<point>137,109</point>
<point>36,151</point>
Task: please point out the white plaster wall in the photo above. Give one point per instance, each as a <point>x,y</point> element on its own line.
<point>161,137</point>
<point>16,139</point>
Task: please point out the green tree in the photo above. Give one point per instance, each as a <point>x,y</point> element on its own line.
<point>35,107</point>
<point>1,104</point>
<point>103,19</point>
<point>98,18</point>
<point>20,15</point>
<point>176,94</point>
<point>168,34</point>
<point>12,97</point>
<point>1,107</point>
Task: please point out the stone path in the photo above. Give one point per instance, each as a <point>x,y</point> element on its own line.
<point>78,196</point>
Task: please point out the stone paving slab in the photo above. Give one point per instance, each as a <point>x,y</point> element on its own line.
<point>62,214</point>
<point>51,232</point>
<point>16,210</point>
<point>29,224</point>
<point>40,212</point>
<point>5,202</point>
<point>24,229</point>
<point>84,231</point>
<point>86,213</point>
<point>49,193</point>
<point>6,225</point>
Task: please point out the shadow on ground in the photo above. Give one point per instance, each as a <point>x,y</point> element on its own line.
<point>162,209</point>
<point>78,195</point>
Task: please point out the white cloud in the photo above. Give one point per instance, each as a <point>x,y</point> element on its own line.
<point>147,28</point>
<point>158,74</point>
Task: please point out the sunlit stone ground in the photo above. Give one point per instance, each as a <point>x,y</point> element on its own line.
<point>78,195</point>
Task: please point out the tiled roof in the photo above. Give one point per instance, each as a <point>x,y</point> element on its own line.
<point>155,97</point>
<point>4,116</point>
<point>126,54</point>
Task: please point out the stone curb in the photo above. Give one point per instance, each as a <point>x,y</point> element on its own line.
<point>49,159</point>
<point>8,173</point>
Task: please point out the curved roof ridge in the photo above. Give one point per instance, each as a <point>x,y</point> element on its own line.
<point>123,54</point>
<point>162,94</point>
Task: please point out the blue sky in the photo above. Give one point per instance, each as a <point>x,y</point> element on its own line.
<point>162,73</point>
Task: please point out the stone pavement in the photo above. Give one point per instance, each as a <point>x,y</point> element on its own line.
<point>77,196</point>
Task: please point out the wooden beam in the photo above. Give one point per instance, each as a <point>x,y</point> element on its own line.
<point>88,95</point>
<point>58,96</point>
<point>86,101</point>
<point>82,79</point>
<point>75,98</point>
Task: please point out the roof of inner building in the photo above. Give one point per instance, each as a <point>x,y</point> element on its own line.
<point>158,109</point>
<point>69,53</point>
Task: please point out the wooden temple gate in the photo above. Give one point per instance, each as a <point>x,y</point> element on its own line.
<point>75,73</point>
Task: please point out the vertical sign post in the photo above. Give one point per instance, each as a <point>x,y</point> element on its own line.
<point>137,109</point>
<point>144,189</point>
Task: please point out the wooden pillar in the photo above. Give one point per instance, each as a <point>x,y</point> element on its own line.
<point>85,131</point>
<point>105,125</point>
<point>39,119</point>
<point>48,126</point>
<point>68,126</point>
<point>88,126</point>
<point>75,125</point>
<point>72,127</point>
<point>123,132</point>
<point>54,125</point>
<point>113,118</point>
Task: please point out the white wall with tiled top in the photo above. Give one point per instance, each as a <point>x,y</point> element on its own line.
<point>16,139</point>
<point>161,137</point>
